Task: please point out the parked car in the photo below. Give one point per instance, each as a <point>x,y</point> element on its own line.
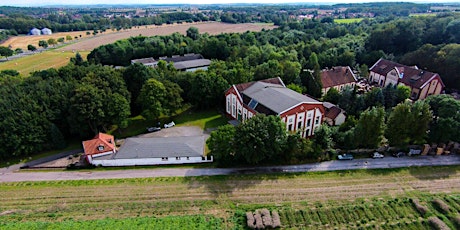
<point>345,156</point>
<point>377,155</point>
<point>399,154</point>
<point>170,124</point>
<point>153,129</point>
<point>414,152</point>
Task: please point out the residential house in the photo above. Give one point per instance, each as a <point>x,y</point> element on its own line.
<point>101,145</point>
<point>189,62</point>
<point>338,77</point>
<point>422,83</point>
<point>271,97</point>
<point>333,114</point>
<point>157,151</point>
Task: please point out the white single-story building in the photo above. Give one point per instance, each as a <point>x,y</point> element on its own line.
<point>156,151</point>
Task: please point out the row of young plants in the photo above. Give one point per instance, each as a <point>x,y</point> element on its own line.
<point>378,213</point>
<point>204,222</point>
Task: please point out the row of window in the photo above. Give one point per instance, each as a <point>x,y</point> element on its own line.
<point>188,158</point>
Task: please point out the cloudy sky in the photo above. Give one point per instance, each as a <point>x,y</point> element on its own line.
<point>126,2</point>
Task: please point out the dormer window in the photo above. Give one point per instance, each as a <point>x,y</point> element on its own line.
<point>100,148</point>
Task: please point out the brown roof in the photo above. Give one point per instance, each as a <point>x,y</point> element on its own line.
<point>105,141</point>
<point>409,75</point>
<point>332,112</point>
<point>338,75</point>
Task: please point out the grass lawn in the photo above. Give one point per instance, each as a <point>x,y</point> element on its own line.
<point>359,199</point>
<point>40,61</point>
<point>347,20</point>
<point>204,119</point>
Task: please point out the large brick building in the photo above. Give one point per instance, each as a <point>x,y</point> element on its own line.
<point>271,97</point>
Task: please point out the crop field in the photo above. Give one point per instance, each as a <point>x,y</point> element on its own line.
<point>40,61</point>
<point>347,20</point>
<point>89,42</point>
<point>211,28</point>
<point>366,199</point>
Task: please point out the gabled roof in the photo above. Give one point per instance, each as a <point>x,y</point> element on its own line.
<point>99,144</point>
<point>132,148</point>
<point>276,80</point>
<point>408,75</point>
<point>338,75</point>
<point>275,97</point>
<point>186,57</point>
<point>143,60</point>
<point>192,64</point>
<point>332,111</point>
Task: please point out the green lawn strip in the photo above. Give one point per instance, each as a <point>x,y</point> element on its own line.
<point>204,222</point>
<point>39,61</point>
<point>348,20</point>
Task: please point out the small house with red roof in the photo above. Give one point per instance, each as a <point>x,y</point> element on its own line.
<point>299,112</point>
<point>338,77</point>
<point>334,115</point>
<point>422,83</point>
<point>102,144</point>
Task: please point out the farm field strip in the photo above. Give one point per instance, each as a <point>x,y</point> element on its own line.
<point>218,196</point>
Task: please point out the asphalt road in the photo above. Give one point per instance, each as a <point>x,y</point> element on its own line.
<point>388,162</point>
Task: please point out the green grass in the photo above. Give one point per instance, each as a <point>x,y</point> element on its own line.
<point>220,202</point>
<point>423,15</point>
<point>348,20</point>
<point>173,222</point>
<point>40,61</point>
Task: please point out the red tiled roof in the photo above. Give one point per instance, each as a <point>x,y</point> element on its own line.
<point>338,75</point>
<point>409,75</point>
<point>99,144</point>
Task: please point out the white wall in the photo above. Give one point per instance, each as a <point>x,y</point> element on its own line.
<point>149,161</point>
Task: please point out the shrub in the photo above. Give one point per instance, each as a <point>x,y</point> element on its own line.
<point>443,207</point>
<point>438,224</point>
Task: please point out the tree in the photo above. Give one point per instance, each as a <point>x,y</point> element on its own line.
<point>445,125</point>
<point>260,139</point>
<point>332,96</point>
<point>151,98</point>
<point>52,42</point>
<point>323,137</point>
<point>68,38</point>
<point>77,60</point>
<point>31,48</point>
<point>370,128</point>
<point>408,124</point>
<point>311,77</point>
<point>193,33</point>
<point>5,52</point>
<point>135,76</point>
<point>60,40</point>
<point>221,144</point>
<point>43,43</point>
<point>207,90</point>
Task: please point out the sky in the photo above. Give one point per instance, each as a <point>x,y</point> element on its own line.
<point>127,2</point>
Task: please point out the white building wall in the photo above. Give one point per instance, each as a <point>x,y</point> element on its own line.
<point>150,161</point>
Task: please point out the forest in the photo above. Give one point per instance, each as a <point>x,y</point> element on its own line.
<point>46,109</point>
